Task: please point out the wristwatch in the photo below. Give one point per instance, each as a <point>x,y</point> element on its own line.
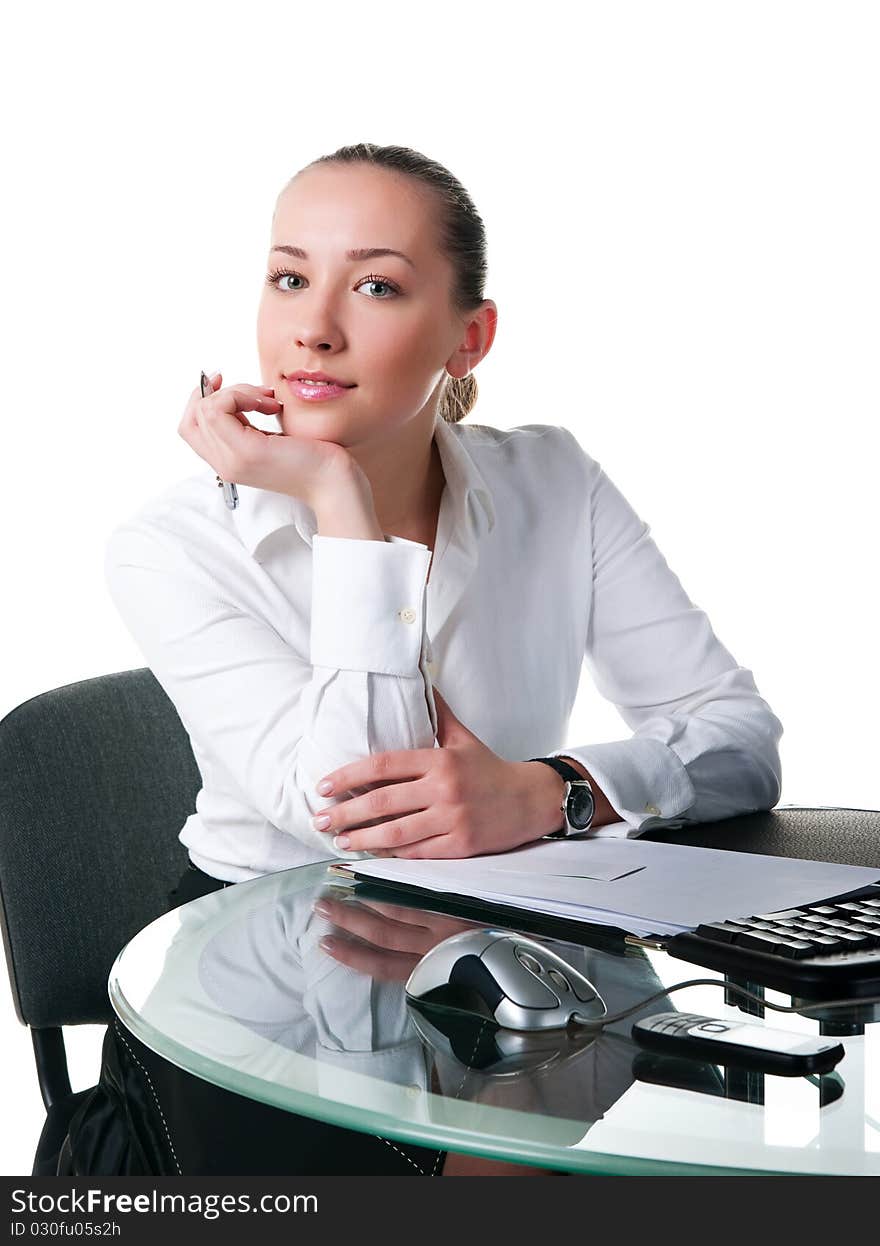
<point>578,805</point>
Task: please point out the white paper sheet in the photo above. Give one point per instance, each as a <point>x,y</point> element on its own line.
<point>643,887</point>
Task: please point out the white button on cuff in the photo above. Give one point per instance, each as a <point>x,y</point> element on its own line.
<point>408,615</point>
<point>652,809</point>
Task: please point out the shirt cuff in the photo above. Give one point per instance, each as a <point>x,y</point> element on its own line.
<point>368,604</point>
<point>644,780</point>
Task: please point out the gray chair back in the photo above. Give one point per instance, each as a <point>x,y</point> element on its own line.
<point>98,777</point>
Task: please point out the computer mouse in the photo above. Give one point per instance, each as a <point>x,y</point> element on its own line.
<point>505,978</point>
<point>475,1043</point>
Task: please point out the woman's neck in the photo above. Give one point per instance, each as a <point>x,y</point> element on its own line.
<point>407,485</point>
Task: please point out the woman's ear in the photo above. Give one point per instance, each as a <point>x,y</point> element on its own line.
<point>479,334</point>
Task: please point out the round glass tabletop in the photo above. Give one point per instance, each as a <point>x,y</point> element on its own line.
<point>243,989</point>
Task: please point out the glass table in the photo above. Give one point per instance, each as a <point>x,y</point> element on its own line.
<point>241,988</point>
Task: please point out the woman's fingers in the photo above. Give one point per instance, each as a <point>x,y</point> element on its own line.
<point>237,398</point>
<point>390,837</point>
<point>217,428</point>
<point>233,399</point>
<point>228,445</point>
<point>381,932</point>
<point>381,803</point>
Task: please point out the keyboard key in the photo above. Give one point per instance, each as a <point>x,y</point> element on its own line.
<point>854,940</point>
<point>826,909</point>
<point>721,932</point>
<point>783,913</point>
<point>762,941</point>
<point>797,949</point>
<point>849,905</point>
<point>826,940</point>
<point>873,904</point>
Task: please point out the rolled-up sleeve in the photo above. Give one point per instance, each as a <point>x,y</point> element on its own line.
<point>704,744</point>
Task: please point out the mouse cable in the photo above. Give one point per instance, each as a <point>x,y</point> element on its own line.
<point>601,1022</point>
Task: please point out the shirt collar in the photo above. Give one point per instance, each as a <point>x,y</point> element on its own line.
<point>261,512</point>
<point>471,496</point>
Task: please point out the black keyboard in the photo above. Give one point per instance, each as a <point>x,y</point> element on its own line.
<point>828,947</point>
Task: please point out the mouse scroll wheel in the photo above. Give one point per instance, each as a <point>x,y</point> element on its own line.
<point>525,958</point>
<point>559,980</point>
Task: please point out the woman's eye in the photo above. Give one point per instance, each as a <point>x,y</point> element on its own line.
<point>280,273</point>
<point>388,286</point>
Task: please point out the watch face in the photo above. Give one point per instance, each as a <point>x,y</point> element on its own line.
<point>579,809</point>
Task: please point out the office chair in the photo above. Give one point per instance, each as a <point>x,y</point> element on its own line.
<point>98,779</point>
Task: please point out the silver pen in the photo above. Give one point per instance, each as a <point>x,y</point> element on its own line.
<point>230,493</point>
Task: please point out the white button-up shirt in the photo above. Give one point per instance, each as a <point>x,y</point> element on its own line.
<point>287,653</point>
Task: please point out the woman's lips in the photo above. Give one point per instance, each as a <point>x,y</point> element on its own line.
<point>319,392</point>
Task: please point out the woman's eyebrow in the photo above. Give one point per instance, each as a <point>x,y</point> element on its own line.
<point>359,253</point>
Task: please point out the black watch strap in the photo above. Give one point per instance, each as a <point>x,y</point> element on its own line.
<point>562,768</point>
<point>570,775</point>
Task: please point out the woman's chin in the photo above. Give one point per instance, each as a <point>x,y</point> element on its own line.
<point>305,425</point>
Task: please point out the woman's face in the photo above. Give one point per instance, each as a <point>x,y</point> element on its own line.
<point>383,324</point>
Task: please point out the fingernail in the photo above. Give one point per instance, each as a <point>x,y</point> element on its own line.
<point>325,787</point>
<point>323,908</point>
<point>215,376</point>
<point>321,822</point>
<point>327,943</point>
<point>341,841</point>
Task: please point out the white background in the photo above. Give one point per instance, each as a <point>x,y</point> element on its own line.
<point>681,202</point>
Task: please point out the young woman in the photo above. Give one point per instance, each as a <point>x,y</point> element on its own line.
<point>378,649</point>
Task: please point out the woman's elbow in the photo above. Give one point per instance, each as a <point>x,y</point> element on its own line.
<point>768,768</point>
<point>766,761</point>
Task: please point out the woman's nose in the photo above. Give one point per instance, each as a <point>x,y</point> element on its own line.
<point>318,337</point>
<point>317,330</point>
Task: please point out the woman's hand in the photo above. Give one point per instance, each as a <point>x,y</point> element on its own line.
<point>459,800</point>
<point>219,432</point>
<point>384,941</point>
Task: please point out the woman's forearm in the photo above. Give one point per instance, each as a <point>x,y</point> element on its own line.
<point>346,509</point>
